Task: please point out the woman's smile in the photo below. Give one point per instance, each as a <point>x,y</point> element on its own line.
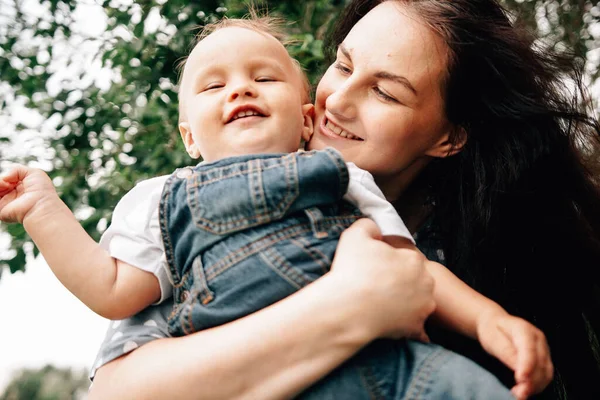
<point>329,128</point>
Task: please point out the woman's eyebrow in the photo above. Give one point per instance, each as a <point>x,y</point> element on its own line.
<point>344,51</point>
<point>383,74</point>
<point>396,78</point>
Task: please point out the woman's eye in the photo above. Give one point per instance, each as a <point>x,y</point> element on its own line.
<point>342,68</point>
<point>384,95</point>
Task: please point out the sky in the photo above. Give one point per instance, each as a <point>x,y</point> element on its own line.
<point>43,323</point>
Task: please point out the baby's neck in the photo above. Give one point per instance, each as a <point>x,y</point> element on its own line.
<point>225,156</point>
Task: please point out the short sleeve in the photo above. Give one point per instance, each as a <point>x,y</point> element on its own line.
<point>134,233</point>
<point>126,335</point>
<point>364,193</point>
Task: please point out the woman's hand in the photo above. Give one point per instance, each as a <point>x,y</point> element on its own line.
<point>519,345</point>
<point>390,285</point>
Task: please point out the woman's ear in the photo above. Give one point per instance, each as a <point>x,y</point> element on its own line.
<point>445,148</point>
<point>188,140</point>
<point>308,112</point>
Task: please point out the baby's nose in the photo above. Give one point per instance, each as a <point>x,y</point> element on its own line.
<point>244,89</point>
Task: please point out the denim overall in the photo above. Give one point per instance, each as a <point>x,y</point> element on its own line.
<point>245,232</point>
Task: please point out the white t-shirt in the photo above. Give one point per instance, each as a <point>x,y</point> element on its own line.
<point>134,234</point>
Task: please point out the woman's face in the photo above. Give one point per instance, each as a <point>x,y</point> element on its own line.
<point>381,103</point>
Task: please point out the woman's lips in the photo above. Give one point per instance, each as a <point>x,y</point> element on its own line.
<point>330,129</point>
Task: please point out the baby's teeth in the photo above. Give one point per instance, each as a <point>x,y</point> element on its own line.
<point>246,114</point>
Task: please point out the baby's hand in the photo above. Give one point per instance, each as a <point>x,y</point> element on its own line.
<point>519,345</point>
<point>22,189</point>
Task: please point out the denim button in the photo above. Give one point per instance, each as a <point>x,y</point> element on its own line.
<point>184,296</point>
<point>184,173</point>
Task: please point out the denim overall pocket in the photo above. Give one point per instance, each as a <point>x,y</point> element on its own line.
<point>232,198</point>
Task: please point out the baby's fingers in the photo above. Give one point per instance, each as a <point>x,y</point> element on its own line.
<point>11,178</point>
<point>7,184</point>
<point>6,187</point>
<point>14,174</point>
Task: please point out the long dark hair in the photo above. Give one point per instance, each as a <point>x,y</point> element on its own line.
<point>517,211</point>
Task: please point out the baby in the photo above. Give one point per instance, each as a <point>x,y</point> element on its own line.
<point>251,224</point>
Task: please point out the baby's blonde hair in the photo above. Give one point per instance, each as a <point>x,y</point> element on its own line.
<point>263,24</point>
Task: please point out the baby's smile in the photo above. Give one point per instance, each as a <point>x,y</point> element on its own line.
<point>245,111</point>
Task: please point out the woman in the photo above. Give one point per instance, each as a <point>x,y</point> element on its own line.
<point>469,134</point>
<point>521,200</point>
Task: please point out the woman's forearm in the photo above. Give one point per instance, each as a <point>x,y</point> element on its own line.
<point>459,307</point>
<point>283,349</point>
<point>272,354</point>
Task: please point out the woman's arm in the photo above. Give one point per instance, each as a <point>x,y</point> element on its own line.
<point>283,349</point>
<point>516,342</point>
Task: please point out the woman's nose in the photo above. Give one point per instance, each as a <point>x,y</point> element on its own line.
<point>342,102</point>
<point>242,89</point>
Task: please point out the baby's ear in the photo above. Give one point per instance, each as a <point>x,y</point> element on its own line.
<point>308,112</point>
<point>188,140</point>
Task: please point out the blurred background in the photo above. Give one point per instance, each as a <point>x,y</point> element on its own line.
<point>87,93</point>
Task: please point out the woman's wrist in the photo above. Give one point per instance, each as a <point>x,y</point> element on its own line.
<point>318,328</point>
<point>341,304</point>
<point>348,304</point>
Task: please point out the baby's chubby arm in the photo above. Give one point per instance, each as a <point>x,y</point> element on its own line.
<point>111,288</point>
<point>514,341</point>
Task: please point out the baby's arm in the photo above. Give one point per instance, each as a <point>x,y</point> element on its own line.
<point>514,341</point>
<point>109,287</point>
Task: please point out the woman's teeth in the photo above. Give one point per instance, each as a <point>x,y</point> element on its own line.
<point>339,131</point>
<point>242,114</point>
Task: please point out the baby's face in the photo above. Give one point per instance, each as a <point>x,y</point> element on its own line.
<point>241,94</point>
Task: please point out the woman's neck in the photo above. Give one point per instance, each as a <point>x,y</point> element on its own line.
<point>412,207</point>
<point>408,193</point>
<point>410,203</point>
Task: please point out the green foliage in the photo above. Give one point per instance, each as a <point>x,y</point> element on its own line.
<point>47,383</point>
<point>103,141</point>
